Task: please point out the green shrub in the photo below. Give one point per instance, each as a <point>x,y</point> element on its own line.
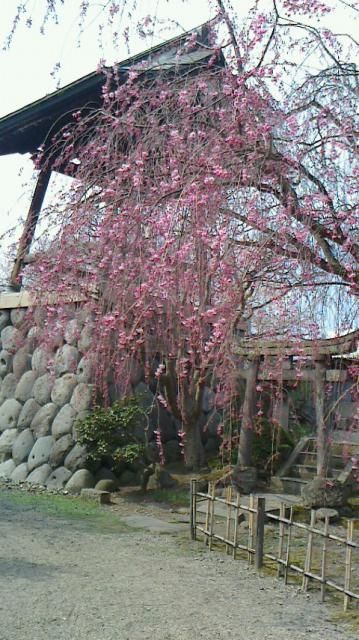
<point>109,435</point>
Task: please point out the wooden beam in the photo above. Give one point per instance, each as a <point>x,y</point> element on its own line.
<point>252,347</point>
<point>30,225</point>
<point>323,444</point>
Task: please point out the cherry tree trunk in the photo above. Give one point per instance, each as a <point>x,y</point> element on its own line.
<point>323,430</point>
<point>193,449</point>
<point>248,413</point>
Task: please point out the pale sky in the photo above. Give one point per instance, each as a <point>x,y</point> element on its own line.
<point>26,68</point>
<point>26,75</point>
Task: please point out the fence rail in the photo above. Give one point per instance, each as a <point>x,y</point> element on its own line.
<point>253,540</point>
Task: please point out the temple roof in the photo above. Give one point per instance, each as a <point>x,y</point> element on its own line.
<point>30,127</point>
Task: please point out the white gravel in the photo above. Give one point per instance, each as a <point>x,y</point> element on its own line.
<point>67,581</point>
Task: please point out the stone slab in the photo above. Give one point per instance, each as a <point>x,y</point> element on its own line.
<point>95,495</point>
<point>155,525</point>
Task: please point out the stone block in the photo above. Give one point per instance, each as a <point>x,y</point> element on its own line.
<point>6,469</point>
<point>9,413</point>
<point>58,478</point>
<point>21,362</point>
<point>77,458</point>
<point>39,475</point>
<point>17,316</point>
<point>8,387</point>
<point>85,370</point>
<point>64,421</point>
<point>63,388</point>
<point>7,440</point>
<point>20,473</point>
<point>41,423</point>
<point>27,413</point>
<point>6,359</point>
<point>40,452</point>
<point>60,450</point>
<point>4,318</point>
<point>82,479</point>
<point>11,339</point>
<point>323,493</point>
<point>24,387</point>
<point>244,479</point>
<point>39,360</point>
<point>72,332</point>
<point>323,513</point>
<point>86,337</point>
<point>42,388</point>
<point>95,495</point>
<point>106,485</point>
<point>82,397</point>
<point>22,446</point>
<point>66,360</point>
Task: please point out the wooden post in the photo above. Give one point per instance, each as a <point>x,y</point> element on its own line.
<point>193,507</point>
<point>289,539</point>
<point>248,412</point>
<point>322,427</point>
<point>235,532</point>
<point>30,225</point>
<point>208,512</point>
<point>260,533</point>
<point>211,524</point>
<point>251,528</point>
<point>229,514</point>
<point>348,562</point>
<point>281,538</point>
<point>324,559</point>
<point>309,553</point>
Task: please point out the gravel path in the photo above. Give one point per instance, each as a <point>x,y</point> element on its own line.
<point>69,581</point>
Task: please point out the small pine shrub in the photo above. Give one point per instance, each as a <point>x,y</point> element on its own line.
<point>109,435</point>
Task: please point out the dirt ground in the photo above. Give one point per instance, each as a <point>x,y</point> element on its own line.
<point>100,579</point>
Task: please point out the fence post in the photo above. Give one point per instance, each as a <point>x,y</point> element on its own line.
<point>259,533</point>
<point>193,508</point>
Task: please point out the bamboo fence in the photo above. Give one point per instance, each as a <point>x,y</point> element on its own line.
<point>224,528</point>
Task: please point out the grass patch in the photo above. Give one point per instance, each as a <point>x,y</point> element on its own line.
<point>70,508</point>
<point>172,497</point>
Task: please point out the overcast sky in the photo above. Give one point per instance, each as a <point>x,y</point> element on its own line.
<point>26,71</point>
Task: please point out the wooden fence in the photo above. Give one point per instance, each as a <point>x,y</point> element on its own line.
<point>268,538</point>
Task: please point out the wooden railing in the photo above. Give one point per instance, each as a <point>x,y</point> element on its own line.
<point>223,525</point>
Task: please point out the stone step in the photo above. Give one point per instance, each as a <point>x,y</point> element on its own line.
<point>309,458</point>
<point>309,471</point>
<point>292,486</point>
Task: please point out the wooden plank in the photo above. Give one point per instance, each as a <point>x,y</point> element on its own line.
<point>30,224</point>
<point>258,558</point>
<point>348,562</point>
<point>293,456</point>
<point>252,347</point>
<point>323,444</point>
<point>16,300</point>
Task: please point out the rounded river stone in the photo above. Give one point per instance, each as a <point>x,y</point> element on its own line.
<point>63,421</point>
<point>40,452</point>
<point>63,388</point>
<point>42,421</point>
<point>23,391</point>
<point>27,413</point>
<point>9,413</point>
<point>22,446</point>
<point>42,388</point>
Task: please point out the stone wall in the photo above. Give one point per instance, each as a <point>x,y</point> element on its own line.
<point>42,396</point>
